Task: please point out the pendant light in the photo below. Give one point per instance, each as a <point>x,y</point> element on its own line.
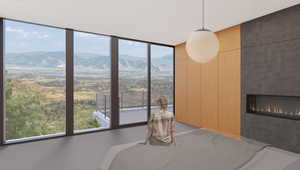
<point>203,45</point>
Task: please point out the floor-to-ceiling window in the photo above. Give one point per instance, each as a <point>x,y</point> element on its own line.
<point>162,75</point>
<point>92,81</point>
<point>58,82</point>
<point>34,72</point>
<point>133,81</point>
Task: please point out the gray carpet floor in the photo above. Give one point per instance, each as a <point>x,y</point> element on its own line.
<point>82,152</point>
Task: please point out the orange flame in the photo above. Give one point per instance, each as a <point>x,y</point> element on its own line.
<point>272,108</point>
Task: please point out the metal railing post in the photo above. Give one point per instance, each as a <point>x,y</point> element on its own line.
<point>105,105</point>
<point>121,101</point>
<point>143,98</point>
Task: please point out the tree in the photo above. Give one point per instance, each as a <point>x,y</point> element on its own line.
<point>24,113</point>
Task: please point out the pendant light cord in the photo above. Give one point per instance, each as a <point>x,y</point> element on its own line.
<point>203,17</point>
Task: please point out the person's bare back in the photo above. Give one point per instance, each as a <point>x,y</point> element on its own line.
<point>161,125</point>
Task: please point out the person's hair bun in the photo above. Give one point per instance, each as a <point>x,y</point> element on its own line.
<point>163,102</point>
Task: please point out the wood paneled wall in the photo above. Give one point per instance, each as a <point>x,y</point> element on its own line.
<point>208,95</point>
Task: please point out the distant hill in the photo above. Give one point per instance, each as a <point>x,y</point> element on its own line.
<point>86,60</point>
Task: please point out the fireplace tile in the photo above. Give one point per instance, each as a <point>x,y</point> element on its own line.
<point>281,133</point>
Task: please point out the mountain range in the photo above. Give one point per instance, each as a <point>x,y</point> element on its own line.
<point>86,60</point>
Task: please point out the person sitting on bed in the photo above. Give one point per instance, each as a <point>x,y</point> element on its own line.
<point>161,125</point>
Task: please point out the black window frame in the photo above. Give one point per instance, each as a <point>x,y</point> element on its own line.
<point>148,50</point>
<point>112,58</point>
<point>149,53</point>
<point>69,130</point>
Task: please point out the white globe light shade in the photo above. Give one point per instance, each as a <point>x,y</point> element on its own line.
<point>202,46</point>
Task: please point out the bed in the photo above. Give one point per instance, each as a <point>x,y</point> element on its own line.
<point>200,150</point>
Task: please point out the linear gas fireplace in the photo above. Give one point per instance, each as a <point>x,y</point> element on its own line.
<point>277,106</point>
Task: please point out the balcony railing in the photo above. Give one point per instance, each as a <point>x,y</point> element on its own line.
<point>130,112</point>
<point>139,101</point>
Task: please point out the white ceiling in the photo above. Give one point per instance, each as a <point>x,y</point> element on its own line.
<point>161,21</point>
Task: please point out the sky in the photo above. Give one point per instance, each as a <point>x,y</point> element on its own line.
<point>23,37</point>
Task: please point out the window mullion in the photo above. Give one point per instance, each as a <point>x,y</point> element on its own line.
<point>149,79</point>
<point>2,124</point>
<point>174,83</point>
<point>114,82</point>
<point>69,82</point>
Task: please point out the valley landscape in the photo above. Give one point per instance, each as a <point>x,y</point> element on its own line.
<point>35,89</point>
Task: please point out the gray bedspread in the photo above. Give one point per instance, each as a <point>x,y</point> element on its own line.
<point>196,150</point>
<point>273,159</point>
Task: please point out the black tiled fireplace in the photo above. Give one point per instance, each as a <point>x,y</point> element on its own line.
<point>271,79</point>
<point>287,107</point>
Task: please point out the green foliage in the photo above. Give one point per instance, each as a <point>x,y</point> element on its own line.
<point>30,113</point>
<point>23,114</point>
<point>83,118</point>
<point>35,105</point>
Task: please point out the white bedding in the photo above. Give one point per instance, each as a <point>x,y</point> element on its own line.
<point>273,159</point>
<point>196,150</point>
<point>201,150</point>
